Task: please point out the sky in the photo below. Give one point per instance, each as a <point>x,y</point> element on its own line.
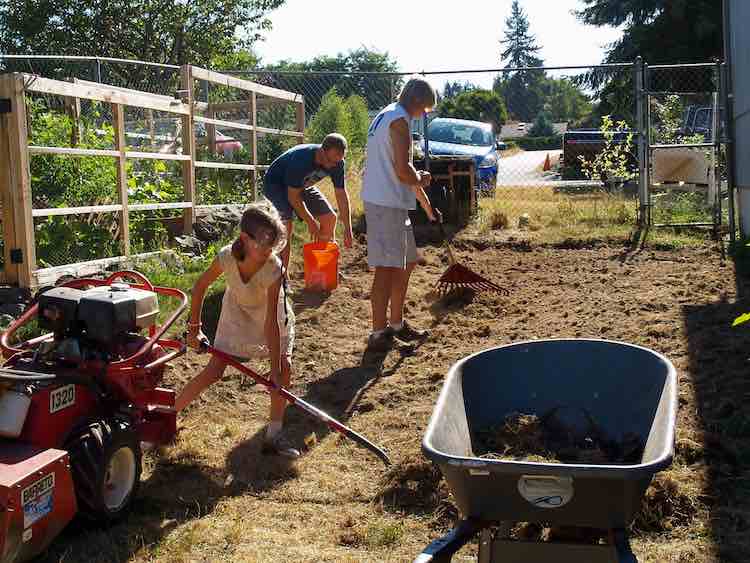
<point>430,36</point>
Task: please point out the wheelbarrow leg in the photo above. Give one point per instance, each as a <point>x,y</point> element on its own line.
<point>441,550</point>
<point>622,546</point>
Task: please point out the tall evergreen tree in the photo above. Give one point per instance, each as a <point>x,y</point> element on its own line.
<point>520,44</point>
<point>522,88</point>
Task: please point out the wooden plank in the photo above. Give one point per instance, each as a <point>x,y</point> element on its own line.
<point>20,180</point>
<point>223,165</point>
<point>87,209</point>
<point>240,206</point>
<point>253,109</point>
<point>161,97</point>
<point>158,156</point>
<point>102,94</point>
<point>188,149</point>
<point>239,105</point>
<point>210,121</point>
<point>156,206</point>
<point>67,151</point>
<point>48,276</point>
<point>118,120</point>
<point>84,210</point>
<point>270,131</point>
<point>10,272</point>
<point>234,82</point>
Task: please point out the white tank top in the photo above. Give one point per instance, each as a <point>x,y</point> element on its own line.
<point>380,184</point>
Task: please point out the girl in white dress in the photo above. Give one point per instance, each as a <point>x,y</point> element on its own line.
<point>255,320</point>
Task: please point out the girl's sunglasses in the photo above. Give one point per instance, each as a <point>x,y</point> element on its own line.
<point>265,242</point>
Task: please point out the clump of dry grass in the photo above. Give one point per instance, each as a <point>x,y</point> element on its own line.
<point>671,501</point>
<point>416,486</point>
<point>498,220</point>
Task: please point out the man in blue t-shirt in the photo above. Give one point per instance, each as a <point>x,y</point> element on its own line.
<point>289,185</point>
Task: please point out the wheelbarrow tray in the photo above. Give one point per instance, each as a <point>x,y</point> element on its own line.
<point>625,388</point>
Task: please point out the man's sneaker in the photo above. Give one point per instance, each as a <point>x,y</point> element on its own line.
<point>381,342</point>
<point>278,445</point>
<point>408,333</point>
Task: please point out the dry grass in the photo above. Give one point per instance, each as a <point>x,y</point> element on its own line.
<point>557,213</point>
<point>213,497</point>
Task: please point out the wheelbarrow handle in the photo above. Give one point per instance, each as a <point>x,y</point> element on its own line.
<point>442,549</point>
<point>331,422</point>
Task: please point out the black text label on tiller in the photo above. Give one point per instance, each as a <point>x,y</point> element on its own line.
<point>45,484</point>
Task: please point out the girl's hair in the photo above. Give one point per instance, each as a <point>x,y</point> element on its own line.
<point>257,218</point>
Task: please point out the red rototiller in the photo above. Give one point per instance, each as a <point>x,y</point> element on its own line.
<point>77,403</point>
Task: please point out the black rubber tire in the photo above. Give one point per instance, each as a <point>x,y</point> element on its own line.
<point>91,451</point>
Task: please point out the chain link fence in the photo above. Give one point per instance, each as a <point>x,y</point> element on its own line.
<point>553,148</point>
<point>535,153</point>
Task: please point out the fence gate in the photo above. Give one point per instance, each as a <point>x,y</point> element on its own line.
<point>684,158</point>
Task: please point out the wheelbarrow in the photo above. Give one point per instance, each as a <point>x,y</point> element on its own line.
<point>627,389</point>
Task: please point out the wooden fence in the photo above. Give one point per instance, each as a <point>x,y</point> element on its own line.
<point>18,213</point>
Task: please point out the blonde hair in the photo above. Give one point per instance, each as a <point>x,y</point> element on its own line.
<point>259,216</point>
<point>417,91</point>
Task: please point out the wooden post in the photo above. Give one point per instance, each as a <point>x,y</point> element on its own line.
<point>254,144</point>
<point>188,147</point>
<point>118,119</point>
<point>473,194</point>
<point>211,131</point>
<point>301,120</point>
<point>15,185</point>
<point>151,127</point>
<point>73,109</point>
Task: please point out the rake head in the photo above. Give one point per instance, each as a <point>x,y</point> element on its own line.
<point>458,276</point>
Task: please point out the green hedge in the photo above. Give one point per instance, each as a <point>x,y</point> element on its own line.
<point>540,143</point>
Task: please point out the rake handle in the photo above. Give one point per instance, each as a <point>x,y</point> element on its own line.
<point>451,258</point>
<point>331,422</point>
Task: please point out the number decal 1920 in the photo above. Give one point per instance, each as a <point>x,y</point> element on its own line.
<point>62,397</point>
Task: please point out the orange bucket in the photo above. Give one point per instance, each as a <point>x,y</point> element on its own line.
<point>321,265</point>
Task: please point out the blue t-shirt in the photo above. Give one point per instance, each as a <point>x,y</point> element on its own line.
<point>296,168</point>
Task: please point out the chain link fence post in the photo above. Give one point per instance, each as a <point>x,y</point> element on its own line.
<point>642,136</point>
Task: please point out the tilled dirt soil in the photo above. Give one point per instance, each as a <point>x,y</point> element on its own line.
<point>214,497</point>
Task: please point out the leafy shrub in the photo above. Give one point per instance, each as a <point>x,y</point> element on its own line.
<point>332,117</point>
<point>542,126</point>
<point>477,105</point>
<point>613,161</point>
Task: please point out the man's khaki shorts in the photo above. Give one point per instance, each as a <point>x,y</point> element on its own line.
<point>390,237</point>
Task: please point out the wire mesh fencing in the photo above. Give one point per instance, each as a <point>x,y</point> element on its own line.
<point>553,147</point>
<point>686,146</point>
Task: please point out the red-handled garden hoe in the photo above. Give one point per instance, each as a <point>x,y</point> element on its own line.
<point>332,423</point>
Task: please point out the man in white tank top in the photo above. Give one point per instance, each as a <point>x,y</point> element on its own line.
<point>391,188</point>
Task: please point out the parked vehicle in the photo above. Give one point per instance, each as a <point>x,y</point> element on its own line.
<point>225,144</point>
<point>461,137</point>
<point>588,143</point>
<point>698,120</point>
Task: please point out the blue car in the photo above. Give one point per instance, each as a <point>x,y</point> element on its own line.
<point>461,137</point>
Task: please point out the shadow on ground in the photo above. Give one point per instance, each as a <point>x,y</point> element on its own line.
<point>718,367</point>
